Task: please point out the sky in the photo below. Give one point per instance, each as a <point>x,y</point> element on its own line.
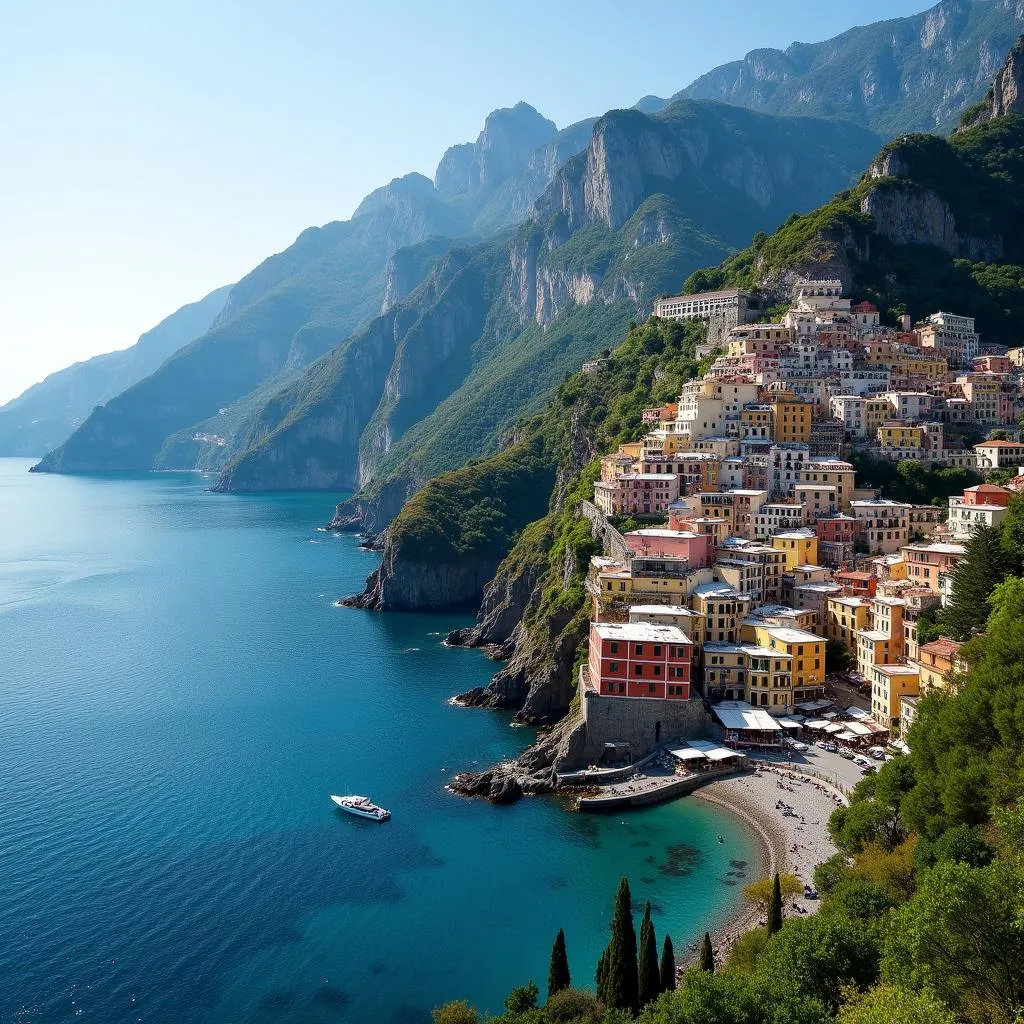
<point>154,152</point>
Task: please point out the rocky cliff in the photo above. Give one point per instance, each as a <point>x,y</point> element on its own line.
<point>620,223</point>
<point>901,75</point>
<point>1006,95</point>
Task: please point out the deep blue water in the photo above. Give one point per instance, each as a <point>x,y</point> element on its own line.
<point>178,698</point>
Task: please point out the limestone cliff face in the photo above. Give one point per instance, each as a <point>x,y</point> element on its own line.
<point>906,74</point>
<point>307,437</point>
<point>502,148</point>
<point>1006,96</point>
<point>908,214</point>
<point>399,584</point>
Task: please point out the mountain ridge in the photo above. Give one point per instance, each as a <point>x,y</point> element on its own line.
<point>619,223</point>
<point>906,74</point>
<point>45,414</point>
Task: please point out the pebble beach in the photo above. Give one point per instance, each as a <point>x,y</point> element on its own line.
<point>794,842</point>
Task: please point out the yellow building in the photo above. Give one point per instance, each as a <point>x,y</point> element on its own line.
<point>807,654</point>
<point>875,648</point>
<point>721,608</point>
<point>876,412</point>
<point>799,546</point>
<point>831,473</point>
<point>791,418</point>
<point>937,661</point>
<point>769,678</point>
<point>889,684</point>
<point>887,618</point>
<point>845,617</point>
<point>615,586</point>
<point>900,436</point>
<point>920,366</point>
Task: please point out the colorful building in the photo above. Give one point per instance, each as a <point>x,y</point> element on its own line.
<point>639,659</point>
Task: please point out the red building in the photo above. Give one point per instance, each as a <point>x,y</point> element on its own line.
<point>837,537</point>
<point>639,659</point>
<point>987,494</point>
<point>857,584</point>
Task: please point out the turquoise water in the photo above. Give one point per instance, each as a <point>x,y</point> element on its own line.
<point>178,698</point>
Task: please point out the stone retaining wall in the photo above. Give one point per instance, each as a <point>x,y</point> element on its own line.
<point>644,723</point>
<point>612,542</point>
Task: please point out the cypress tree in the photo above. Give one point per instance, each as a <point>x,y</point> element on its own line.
<point>707,955</point>
<point>668,966</point>
<point>623,984</point>
<point>648,977</point>
<point>775,907</point>
<point>558,969</point>
<point>601,976</point>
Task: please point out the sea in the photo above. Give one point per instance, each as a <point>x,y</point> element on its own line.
<point>179,697</point>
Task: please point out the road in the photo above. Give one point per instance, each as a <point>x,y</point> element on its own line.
<point>833,767</point>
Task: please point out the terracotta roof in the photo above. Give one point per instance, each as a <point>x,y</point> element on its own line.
<point>985,489</point>
<point>1000,444</point>
<point>943,647</point>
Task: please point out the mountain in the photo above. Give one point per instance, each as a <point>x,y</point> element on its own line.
<point>903,75</point>
<point>297,305</point>
<point>933,223</point>
<point>46,414</point>
<point>497,325</point>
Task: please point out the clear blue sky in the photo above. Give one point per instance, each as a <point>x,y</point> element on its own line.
<point>153,152</point>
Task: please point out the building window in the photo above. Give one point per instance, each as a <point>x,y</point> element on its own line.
<point>639,649</point>
<point>614,647</point>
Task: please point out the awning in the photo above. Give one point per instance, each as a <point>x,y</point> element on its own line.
<point>788,723</point>
<point>852,712</point>
<point>814,705</point>
<point>858,728</point>
<point>845,736</point>
<point>722,753</point>
<point>687,753</point>
<point>833,727</point>
<point>817,724</point>
<point>752,719</point>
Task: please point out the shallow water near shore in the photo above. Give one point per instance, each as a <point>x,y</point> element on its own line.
<point>179,696</point>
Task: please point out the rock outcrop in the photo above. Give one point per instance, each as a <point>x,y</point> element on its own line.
<point>403,585</point>
<point>911,215</point>
<point>1006,95</point>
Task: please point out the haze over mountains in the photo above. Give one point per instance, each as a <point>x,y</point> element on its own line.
<point>376,352</point>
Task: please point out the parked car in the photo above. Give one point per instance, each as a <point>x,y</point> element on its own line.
<point>861,761</point>
<point>846,752</point>
<point>869,769</point>
<point>878,753</point>
<point>797,745</point>
<point>828,745</point>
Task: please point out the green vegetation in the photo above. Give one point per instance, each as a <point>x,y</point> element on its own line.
<point>479,510</point>
<point>706,962</point>
<point>621,984</point>
<point>979,174</point>
<point>667,967</point>
<point>558,968</point>
<point>911,481</point>
<point>649,974</point>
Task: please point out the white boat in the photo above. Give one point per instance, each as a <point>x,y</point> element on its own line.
<point>362,807</point>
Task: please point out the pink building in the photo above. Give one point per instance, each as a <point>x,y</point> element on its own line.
<point>636,494</point>
<point>696,548</point>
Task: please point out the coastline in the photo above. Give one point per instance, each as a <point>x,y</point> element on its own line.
<point>794,843</point>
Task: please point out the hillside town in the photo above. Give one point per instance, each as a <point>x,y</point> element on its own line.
<point>752,562</point>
